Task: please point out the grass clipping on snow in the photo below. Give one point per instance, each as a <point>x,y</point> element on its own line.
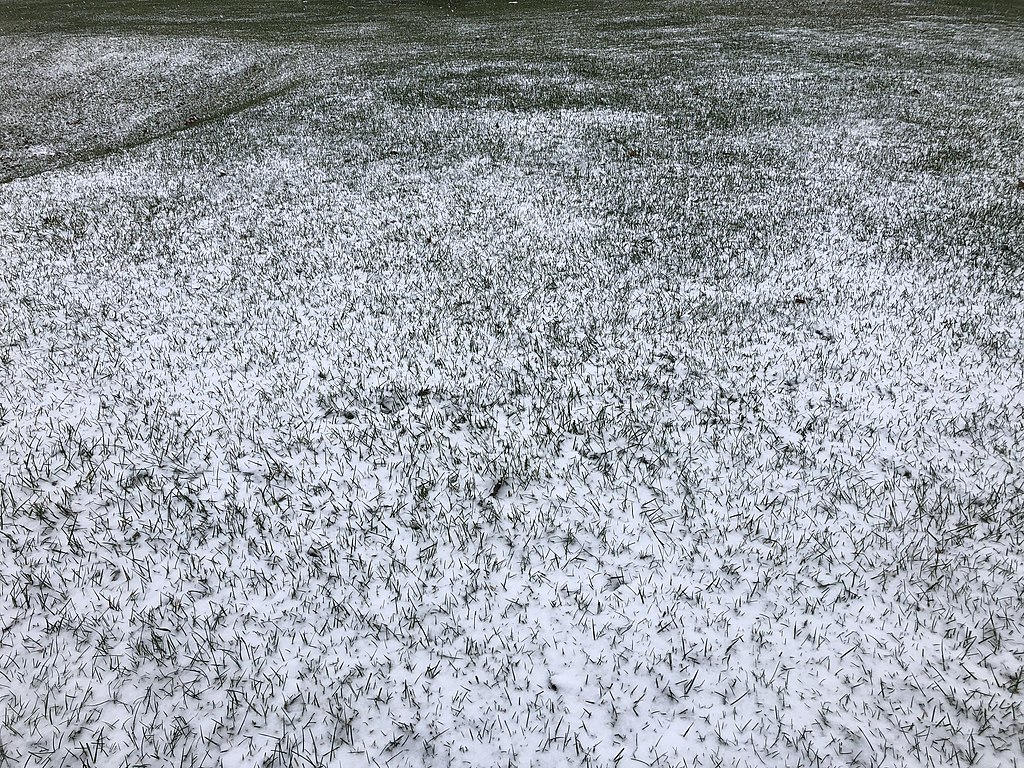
<point>361,428</point>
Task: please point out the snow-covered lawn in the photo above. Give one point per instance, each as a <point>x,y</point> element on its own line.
<point>617,387</point>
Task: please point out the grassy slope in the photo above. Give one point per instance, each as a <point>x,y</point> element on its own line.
<point>522,387</point>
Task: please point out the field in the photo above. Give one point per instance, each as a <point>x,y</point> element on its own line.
<point>537,384</point>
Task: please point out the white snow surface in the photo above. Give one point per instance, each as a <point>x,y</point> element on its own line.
<point>347,431</point>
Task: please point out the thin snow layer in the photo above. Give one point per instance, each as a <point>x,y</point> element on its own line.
<point>78,97</point>
<point>364,426</point>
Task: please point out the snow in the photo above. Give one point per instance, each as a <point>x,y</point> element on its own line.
<point>392,421</point>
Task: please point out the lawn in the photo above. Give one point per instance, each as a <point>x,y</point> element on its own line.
<point>537,384</point>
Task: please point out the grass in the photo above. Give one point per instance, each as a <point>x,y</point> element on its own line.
<point>512,385</point>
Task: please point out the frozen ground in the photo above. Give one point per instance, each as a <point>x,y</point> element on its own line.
<point>411,386</point>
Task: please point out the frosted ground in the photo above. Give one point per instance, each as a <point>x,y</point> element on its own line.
<point>512,385</point>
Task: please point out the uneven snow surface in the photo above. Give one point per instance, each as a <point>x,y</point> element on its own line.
<point>611,387</point>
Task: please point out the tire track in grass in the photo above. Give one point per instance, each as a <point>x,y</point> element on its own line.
<point>94,153</point>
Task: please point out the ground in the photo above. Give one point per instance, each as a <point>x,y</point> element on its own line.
<point>512,384</point>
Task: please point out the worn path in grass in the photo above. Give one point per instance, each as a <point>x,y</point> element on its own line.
<point>511,384</point>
